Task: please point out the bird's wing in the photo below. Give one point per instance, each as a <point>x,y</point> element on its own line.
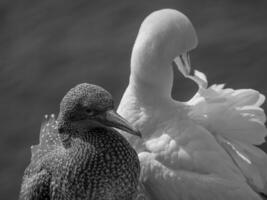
<point>251,160</point>
<point>36,186</point>
<point>186,162</point>
<point>234,114</point>
<point>162,183</point>
<point>36,179</point>
<point>49,139</point>
<point>236,119</point>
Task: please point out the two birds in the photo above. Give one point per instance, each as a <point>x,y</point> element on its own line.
<point>201,149</point>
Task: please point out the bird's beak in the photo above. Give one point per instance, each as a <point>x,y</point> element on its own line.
<point>113,119</point>
<point>182,62</point>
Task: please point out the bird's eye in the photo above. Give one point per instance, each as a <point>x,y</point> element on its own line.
<point>90,112</point>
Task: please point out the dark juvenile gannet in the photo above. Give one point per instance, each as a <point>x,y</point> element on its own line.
<point>202,149</point>
<point>80,155</point>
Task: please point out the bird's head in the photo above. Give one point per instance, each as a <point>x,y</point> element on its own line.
<point>90,106</point>
<point>165,37</point>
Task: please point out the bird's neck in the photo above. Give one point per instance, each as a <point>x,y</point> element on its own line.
<point>151,62</point>
<point>152,80</point>
<point>95,139</point>
<point>144,107</point>
<point>81,133</point>
<point>148,94</point>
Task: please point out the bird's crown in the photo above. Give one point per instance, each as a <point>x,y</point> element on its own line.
<point>88,97</point>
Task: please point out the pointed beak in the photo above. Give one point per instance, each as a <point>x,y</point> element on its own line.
<point>113,119</point>
<point>182,62</point>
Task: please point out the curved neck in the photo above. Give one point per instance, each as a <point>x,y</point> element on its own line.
<point>151,73</point>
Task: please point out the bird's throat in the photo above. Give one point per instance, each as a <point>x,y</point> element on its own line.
<point>152,79</point>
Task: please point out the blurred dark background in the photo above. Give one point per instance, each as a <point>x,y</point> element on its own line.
<point>47,47</point>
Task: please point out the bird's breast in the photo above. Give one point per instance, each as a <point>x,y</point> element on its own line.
<point>105,165</point>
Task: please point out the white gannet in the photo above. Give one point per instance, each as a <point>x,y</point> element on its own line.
<point>201,149</point>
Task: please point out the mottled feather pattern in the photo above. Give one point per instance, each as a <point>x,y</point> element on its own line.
<point>36,186</point>
<point>48,139</point>
<point>89,169</point>
<point>96,97</point>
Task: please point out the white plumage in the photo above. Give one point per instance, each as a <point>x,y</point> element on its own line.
<point>202,149</point>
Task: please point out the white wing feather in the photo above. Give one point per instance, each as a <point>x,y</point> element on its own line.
<point>236,120</point>
<point>163,183</point>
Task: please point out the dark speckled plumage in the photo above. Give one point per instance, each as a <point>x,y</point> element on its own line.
<point>78,156</point>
